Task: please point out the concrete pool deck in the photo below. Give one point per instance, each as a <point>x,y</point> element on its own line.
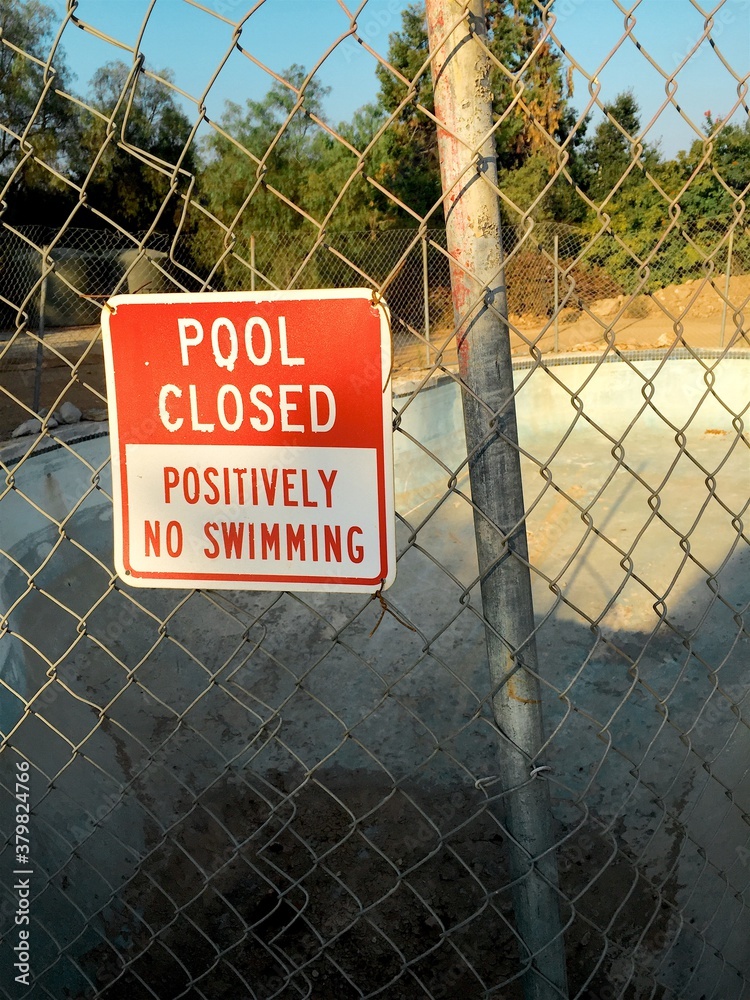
<point>636,478</point>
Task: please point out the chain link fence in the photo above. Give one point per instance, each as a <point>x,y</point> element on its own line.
<point>563,287</point>
<point>233,794</point>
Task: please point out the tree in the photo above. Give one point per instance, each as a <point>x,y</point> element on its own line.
<point>515,39</point>
<point>131,181</point>
<point>342,176</point>
<point>611,149</point>
<point>717,169</point>
<point>731,152</point>
<point>627,177</point>
<point>411,165</point>
<point>524,129</point>
<point>271,146</point>
<point>268,168</point>
<point>37,124</point>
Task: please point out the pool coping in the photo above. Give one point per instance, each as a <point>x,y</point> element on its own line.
<point>404,385</point>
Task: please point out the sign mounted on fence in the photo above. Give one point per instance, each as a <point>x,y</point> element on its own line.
<point>251,440</point>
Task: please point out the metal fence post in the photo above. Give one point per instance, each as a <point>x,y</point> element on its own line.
<point>730,248</point>
<point>460,71</point>
<point>557,293</point>
<point>252,263</point>
<point>426,295</point>
<point>40,333</point>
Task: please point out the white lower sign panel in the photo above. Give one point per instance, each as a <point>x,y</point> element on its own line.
<point>211,511</point>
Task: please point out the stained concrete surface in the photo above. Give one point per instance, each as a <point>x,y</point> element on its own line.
<point>641,578</point>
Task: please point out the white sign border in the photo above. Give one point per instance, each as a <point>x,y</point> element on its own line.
<point>320,295</point>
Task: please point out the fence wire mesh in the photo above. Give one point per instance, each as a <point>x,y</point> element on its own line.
<point>253,794</point>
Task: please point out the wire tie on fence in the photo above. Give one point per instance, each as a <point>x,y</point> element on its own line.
<point>376,301</point>
<point>384,606</point>
<point>539,769</point>
<point>104,299</point>
<point>487,780</point>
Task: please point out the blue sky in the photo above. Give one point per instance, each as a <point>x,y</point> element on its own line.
<point>193,43</point>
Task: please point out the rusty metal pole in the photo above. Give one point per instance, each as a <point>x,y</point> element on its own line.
<point>463,108</point>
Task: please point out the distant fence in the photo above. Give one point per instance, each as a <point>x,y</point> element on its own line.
<point>552,269</point>
<point>83,267</point>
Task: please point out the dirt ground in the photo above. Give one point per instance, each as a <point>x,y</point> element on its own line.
<point>339,885</point>
<point>691,314</point>
<point>450,918</point>
<point>72,369</point>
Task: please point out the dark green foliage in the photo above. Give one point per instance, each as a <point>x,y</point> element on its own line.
<point>131,150</point>
<point>514,32</point>
<point>38,124</point>
<point>115,152</point>
<point>411,167</point>
<point>274,165</point>
<point>258,179</point>
<point>614,148</point>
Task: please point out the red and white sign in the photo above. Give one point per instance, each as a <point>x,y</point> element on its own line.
<point>251,440</point>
